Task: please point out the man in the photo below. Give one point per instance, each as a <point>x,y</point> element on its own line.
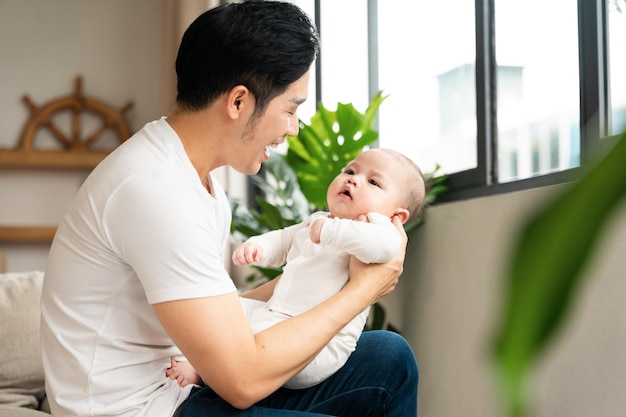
<point>135,274</point>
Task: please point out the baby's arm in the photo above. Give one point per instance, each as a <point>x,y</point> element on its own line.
<point>316,222</point>
<point>182,372</point>
<point>373,241</point>
<point>269,249</point>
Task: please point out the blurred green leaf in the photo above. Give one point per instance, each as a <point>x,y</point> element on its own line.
<point>547,268</point>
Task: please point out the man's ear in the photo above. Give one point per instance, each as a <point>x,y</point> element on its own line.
<point>403,214</point>
<point>239,100</point>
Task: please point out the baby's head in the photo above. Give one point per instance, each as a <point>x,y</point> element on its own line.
<point>378,180</point>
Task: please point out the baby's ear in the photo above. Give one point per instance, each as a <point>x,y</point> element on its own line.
<point>403,214</point>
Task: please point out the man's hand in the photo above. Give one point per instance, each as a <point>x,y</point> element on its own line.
<point>383,276</point>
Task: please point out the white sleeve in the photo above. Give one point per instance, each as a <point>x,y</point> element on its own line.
<point>171,236</point>
<point>373,242</point>
<point>276,245</point>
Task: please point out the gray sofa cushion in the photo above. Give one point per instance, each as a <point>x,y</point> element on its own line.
<point>21,372</point>
<point>10,411</point>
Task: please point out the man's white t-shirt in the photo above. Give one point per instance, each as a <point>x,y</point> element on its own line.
<point>141,230</point>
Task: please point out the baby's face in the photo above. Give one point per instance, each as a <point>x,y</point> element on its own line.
<point>373,182</point>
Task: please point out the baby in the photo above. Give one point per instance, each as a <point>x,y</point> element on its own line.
<point>375,187</point>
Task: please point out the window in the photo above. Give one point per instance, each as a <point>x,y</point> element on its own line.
<point>427,55</point>
<point>617,64</point>
<point>343,59</point>
<point>537,87</point>
<point>501,95</point>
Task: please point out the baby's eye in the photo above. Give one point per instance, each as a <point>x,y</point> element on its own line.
<point>349,171</point>
<point>374,182</point>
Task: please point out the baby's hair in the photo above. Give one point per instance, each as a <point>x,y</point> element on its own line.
<point>416,185</point>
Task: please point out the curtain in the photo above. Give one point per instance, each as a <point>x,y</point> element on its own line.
<point>177,16</point>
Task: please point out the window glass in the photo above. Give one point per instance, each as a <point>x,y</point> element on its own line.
<point>537,87</point>
<point>343,55</point>
<point>427,53</point>
<point>307,109</point>
<point>617,64</point>
<point>343,31</point>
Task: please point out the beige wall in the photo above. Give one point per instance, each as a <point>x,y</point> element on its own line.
<point>448,302</point>
<point>124,50</point>
<point>114,44</point>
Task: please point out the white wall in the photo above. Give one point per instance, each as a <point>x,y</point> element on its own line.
<point>447,305</point>
<point>114,44</point>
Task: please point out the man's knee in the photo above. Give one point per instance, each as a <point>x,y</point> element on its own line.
<point>394,352</point>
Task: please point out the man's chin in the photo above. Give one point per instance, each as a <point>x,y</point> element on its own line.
<point>251,170</point>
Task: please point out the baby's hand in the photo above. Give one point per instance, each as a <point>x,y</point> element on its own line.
<point>247,254</point>
<point>183,373</point>
<point>315,231</point>
<point>363,218</point>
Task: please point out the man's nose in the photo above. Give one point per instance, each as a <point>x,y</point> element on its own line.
<point>292,127</point>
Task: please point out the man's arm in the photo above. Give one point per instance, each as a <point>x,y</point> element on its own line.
<point>244,368</point>
<point>262,292</point>
<point>241,367</point>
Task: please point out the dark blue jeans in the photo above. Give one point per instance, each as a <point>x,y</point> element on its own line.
<point>379,379</point>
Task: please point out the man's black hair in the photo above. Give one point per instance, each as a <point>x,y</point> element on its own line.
<point>263,45</point>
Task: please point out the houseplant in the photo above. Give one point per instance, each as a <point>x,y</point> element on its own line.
<point>294,184</point>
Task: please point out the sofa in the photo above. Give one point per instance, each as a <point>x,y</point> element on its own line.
<point>21,374</point>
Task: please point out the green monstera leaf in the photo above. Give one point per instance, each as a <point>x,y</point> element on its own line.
<point>326,145</point>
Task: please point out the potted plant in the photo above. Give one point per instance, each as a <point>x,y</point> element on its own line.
<point>294,184</point>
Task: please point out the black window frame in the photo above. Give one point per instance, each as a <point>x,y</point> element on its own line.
<point>593,88</point>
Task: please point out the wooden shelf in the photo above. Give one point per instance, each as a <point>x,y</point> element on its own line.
<point>27,234</point>
<point>78,146</point>
<point>50,159</point>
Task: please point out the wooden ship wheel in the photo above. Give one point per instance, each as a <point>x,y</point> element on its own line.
<point>76,148</point>
<point>73,148</point>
